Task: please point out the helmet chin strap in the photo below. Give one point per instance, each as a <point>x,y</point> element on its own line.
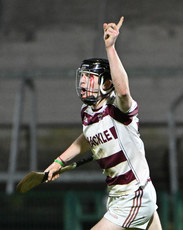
<point>104,92</point>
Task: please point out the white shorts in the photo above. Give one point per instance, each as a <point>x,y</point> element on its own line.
<point>134,210</point>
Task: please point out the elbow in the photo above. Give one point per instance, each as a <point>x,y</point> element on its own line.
<point>125,102</point>
<point>123,98</point>
<point>123,94</point>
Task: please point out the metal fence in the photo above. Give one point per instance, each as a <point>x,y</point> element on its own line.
<point>73,209</point>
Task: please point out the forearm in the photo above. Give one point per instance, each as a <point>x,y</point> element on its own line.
<point>120,79</point>
<point>79,146</point>
<point>118,73</point>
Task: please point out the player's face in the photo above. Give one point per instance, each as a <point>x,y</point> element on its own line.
<point>89,85</point>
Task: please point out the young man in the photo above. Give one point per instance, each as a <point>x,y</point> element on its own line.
<point>110,130</point>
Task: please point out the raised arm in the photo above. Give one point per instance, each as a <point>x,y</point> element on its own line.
<point>118,73</point>
<point>79,146</point>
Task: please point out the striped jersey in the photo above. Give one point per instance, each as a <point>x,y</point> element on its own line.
<point>116,145</point>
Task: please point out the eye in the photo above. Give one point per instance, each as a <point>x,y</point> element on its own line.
<point>91,76</point>
<point>84,75</point>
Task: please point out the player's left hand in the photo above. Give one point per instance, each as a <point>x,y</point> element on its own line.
<point>111,32</point>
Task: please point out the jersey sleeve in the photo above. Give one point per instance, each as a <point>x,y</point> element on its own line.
<point>133,109</point>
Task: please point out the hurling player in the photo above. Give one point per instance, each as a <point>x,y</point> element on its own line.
<point>110,131</point>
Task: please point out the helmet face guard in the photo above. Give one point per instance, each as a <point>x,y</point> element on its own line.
<point>91,93</point>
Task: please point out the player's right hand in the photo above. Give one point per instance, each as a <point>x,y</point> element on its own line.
<point>53,171</point>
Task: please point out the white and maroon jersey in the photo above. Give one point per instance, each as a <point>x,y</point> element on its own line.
<point>116,145</point>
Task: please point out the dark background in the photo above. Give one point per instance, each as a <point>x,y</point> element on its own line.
<point>46,40</point>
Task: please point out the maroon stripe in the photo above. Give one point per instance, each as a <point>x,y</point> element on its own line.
<point>118,115</point>
<point>113,131</point>
<point>122,179</point>
<point>131,210</point>
<point>134,112</point>
<point>88,119</point>
<point>83,109</point>
<point>111,161</point>
<point>135,208</point>
<point>111,110</point>
<point>140,203</point>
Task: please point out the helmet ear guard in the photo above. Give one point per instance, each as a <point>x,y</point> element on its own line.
<point>107,91</point>
<point>100,68</point>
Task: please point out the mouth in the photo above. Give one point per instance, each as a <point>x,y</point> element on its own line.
<point>83,89</point>
<point>83,92</point>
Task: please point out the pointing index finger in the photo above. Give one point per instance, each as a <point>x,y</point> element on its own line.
<point>120,23</point>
